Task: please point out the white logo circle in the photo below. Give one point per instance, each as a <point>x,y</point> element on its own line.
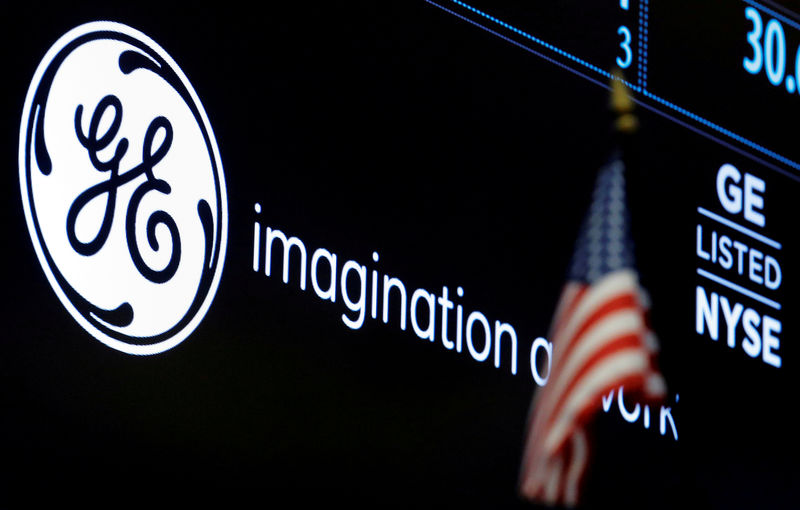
<point>123,188</point>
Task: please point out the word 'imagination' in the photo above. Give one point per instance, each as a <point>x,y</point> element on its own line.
<point>365,294</point>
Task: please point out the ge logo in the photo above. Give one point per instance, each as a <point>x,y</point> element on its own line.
<point>123,188</point>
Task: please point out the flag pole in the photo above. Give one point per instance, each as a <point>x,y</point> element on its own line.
<point>622,105</point>
<point>601,339</point>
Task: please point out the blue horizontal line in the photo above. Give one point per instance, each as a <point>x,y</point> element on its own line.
<point>708,134</point>
<point>739,289</point>
<point>776,14</point>
<point>602,72</point>
<point>526,48</point>
<point>744,230</point>
<point>540,42</point>
<point>725,131</point>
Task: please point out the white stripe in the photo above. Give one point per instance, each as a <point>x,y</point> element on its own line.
<point>553,483</point>
<point>651,342</point>
<point>615,283</point>
<point>566,300</point>
<point>533,469</point>
<point>577,465</point>
<point>529,486</point>
<point>655,386</point>
<point>615,367</point>
<point>615,325</point>
<point>618,282</point>
<point>644,299</point>
<point>539,474</point>
<point>622,322</point>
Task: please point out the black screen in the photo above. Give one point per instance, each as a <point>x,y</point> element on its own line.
<point>457,144</point>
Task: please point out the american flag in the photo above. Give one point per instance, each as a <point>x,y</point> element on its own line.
<point>601,340</point>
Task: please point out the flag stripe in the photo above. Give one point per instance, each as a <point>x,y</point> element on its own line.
<point>621,323</point>
<point>578,461</point>
<point>615,283</point>
<point>581,305</point>
<point>608,372</point>
<point>571,295</point>
<point>624,301</point>
<point>628,342</point>
<point>553,486</point>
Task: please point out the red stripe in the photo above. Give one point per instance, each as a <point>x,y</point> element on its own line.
<point>620,302</point>
<point>539,423</point>
<point>565,310</point>
<point>535,467</point>
<point>630,341</point>
<point>634,382</point>
<point>615,304</point>
<point>631,381</point>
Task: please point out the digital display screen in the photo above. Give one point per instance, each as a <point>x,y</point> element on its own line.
<point>495,254</point>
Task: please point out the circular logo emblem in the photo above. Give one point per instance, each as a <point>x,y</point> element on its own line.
<point>123,188</point>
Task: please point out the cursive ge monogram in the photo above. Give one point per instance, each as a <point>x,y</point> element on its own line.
<point>123,188</point>
<point>150,158</point>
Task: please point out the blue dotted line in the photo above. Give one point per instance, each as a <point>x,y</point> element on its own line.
<point>640,45</point>
<point>724,131</point>
<point>645,12</point>
<point>547,45</point>
<point>642,89</point>
<point>552,60</point>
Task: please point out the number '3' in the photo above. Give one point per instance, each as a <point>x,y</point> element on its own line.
<point>626,47</point>
<point>753,65</point>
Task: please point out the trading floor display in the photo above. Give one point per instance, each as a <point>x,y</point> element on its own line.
<point>502,254</point>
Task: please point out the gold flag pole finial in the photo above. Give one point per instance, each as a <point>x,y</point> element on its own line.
<point>622,105</point>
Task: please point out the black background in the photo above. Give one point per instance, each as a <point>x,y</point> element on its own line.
<point>460,159</point>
